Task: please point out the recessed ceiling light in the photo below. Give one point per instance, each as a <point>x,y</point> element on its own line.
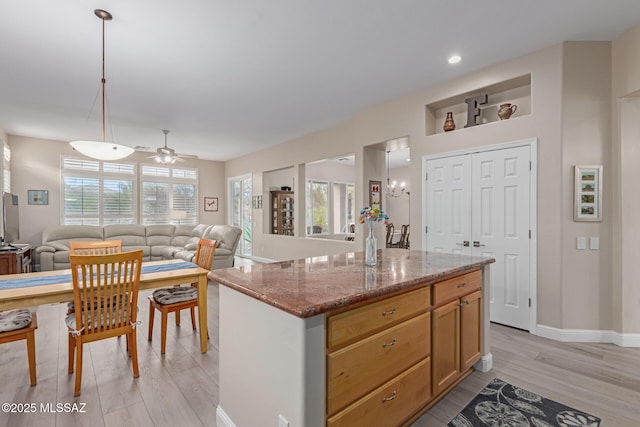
<point>454,59</point>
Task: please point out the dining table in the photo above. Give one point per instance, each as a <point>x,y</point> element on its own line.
<point>47,287</point>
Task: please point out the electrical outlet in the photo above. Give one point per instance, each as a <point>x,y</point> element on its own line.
<point>282,421</point>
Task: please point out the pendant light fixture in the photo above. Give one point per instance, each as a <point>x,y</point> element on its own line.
<point>102,150</point>
<point>392,191</point>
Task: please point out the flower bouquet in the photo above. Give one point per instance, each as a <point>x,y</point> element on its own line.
<point>371,216</point>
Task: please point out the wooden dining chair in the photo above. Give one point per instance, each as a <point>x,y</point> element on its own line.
<point>20,325</point>
<point>112,280</point>
<point>174,299</point>
<point>389,239</point>
<point>404,235</point>
<point>93,248</point>
<point>96,248</point>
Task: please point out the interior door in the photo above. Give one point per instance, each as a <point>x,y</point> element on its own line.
<point>500,229</point>
<point>240,193</point>
<point>449,205</point>
<point>484,199</point>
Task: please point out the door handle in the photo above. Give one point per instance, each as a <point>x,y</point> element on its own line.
<point>465,243</point>
<point>477,244</point>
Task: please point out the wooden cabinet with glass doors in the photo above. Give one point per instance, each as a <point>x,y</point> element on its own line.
<point>282,212</point>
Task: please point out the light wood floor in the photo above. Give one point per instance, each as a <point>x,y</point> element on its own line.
<point>181,389</point>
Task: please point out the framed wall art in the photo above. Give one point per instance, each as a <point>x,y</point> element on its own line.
<point>38,197</point>
<point>588,193</point>
<point>374,194</point>
<point>211,204</point>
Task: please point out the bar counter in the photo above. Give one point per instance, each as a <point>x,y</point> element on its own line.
<point>300,340</point>
<point>311,286</point>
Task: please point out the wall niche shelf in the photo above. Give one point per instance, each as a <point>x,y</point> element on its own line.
<point>514,91</point>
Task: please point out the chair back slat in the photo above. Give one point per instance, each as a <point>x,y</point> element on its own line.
<point>106,288</point>
<point>96,248</point>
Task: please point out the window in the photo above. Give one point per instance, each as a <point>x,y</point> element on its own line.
<point>98,193</point>
<point>6,170</point>
<point>317,207</point>
<point>343,207</point>
<point>169,195</point>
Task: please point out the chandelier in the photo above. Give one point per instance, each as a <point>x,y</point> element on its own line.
<point>392,189</point>
<point>102,150</point>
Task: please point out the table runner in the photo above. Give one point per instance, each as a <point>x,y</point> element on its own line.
<point>66,278</point>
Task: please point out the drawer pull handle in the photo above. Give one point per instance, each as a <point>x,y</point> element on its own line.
<point>462,285</point>
<point>390,312</point>
<point>387,399</point>
<point>389,344</point>
<point>464,302</point>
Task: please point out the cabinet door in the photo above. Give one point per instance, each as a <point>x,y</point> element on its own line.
<point>470,324</point>
<point>446,345</point>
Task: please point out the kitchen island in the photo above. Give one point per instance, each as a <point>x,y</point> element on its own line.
<point>329,341</point>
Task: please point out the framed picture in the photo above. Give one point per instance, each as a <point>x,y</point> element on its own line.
<point>38,197</point>
<point>256,202</point>
<point>374,194</point>
<point>211,204</point>
<point>588,193</point>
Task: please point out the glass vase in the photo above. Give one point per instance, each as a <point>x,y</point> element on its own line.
<point>370,247</point>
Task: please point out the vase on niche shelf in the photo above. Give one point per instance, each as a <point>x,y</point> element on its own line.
<point>370,247</point>
<point>449,124</point>
<point>506,110</point>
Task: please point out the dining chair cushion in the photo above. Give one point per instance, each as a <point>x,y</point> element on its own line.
<point>70,320</point>
<point>14,319</point>
<point>71,306</point>
<point>175,294</point>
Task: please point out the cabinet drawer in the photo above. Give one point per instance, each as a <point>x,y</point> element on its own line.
<point>357,369</point>
<point>390,404</point>
<point>455,288</point>
<point>352,325</point>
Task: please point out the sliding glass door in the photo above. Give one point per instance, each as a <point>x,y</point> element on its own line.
<point>239,203</point>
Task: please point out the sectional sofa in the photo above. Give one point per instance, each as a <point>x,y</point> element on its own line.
<point>157,241</point>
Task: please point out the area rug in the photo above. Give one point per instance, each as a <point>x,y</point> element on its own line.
<point>501,404</point>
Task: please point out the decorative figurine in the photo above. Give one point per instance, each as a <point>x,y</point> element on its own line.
<point>449,124</point>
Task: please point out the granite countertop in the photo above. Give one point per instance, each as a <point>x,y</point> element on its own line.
<point>311,286</point>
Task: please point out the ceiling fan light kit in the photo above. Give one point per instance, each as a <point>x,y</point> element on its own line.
<point>102,150</point>
<point>166,155</point>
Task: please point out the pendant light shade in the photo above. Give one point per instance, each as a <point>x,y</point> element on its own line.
<point>102,150</point>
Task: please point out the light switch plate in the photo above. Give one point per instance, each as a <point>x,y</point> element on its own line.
<point>594,243</point>
<point>581,243</point>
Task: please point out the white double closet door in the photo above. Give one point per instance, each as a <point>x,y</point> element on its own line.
<point>479,204</point>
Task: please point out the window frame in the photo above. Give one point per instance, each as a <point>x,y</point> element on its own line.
<point>171,180</point>
<point>101,176</point>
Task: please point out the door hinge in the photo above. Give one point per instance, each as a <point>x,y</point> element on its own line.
<point>426,229</point>
<point>529,302</point>
<point>529,165</point>
<point>426,176</point>
<point>529,233</point>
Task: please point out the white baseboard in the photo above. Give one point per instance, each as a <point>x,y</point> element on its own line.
<point>222,419</point>
<point>588,335</point>
<point>485,363</point>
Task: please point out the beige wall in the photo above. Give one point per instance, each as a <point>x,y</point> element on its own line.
<point>35,165</point>
<point>570,115</point>
<point>570,118</point>
<point>586,140</point>
<point>626,163</point>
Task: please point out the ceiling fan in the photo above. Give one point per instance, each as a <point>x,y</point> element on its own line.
<point>166,155</point>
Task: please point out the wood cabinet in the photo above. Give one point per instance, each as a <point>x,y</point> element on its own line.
<point>456,328</point>
<point>16,260</point>
<point>378,361</point>
<point>281,210</point>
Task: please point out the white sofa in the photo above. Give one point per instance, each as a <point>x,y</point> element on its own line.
<point>158,242</point>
